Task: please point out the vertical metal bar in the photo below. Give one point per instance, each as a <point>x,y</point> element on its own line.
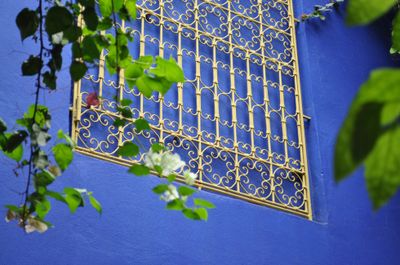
<point>250,102</point>
<point>300,117</point>
<point>101,74</point>
<point>121,87</point>
<point>77,101</point>
<point>141,52</point>
<point>161,54</point>
<point>198,91</point>
<point>76,108</point>
<point>283,115</point>
<point>233,99</point>
<point>180,85</point>
<point>216,97</point>
<point>266,102</point>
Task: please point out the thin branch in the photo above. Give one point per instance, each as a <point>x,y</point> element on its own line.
<point>38,86</point>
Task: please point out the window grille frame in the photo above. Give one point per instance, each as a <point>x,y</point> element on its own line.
<point>78,104</point>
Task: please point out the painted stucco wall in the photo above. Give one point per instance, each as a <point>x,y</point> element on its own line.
<point>135,229</point>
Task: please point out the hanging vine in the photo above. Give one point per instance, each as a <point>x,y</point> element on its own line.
<point>54,25</point>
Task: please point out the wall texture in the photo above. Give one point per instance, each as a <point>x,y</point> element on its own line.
<point>135,229</point>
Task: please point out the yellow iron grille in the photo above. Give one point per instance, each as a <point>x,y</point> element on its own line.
<point>237,120</point>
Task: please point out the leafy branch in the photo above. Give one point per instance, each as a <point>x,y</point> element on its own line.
<point>59,23</point>
<point>34,148</point>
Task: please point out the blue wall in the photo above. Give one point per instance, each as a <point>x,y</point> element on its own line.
<point>135,229</point>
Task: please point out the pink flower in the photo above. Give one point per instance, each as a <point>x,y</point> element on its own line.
<point>92,100</point>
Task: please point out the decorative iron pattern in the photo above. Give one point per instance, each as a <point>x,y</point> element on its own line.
<point>237,120</point>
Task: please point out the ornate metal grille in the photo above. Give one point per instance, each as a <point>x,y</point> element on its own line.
<point>237,120</point>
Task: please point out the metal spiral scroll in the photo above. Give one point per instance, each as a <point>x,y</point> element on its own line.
<point>237,121</point>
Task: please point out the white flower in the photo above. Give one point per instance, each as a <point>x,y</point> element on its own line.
<point>57,38</point>
<point>152,159</point>
<point>35,225</point>
<point>170,163</point>
<point>170,194</point>
<point>189,177</point>
<point>167,161</point>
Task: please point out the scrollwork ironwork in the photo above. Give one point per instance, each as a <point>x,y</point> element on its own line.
<point>237,120</point>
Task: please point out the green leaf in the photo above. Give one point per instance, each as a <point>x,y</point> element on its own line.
<point>90,50</point>
<point>63,155</point>
<point>118,4</point>
<point>191,214</point>
<point>72,34</point>
<point>13,208</point>
<point>77,70</point>
<point>128,149</point>
<point>95,204</point>
<point>123,14</point>
<point>176,205</point>
<point>168,69</point>
<point>17,153</point>
<point>14,140</point>
<point>202,213</point>
<point>62,135</point>
<point>58,19</point>
<point>111,62</point>
<point>43,179</point>
<point>56,60</point>
<point>125,112</point>
<point>157,147</point>
<point>147,85</point>
<point>141,125</point>
<point>171,178</point>
<point>361,12</point>
<point>383,87</point>
<point>366,131</point>
<point>104,24</point>
<point>203,203</point>
<point>42,208</point>
<point>122,39</point>
<point>132,72</point>
<point>158,169</point>
<point>49,79</point>
<point>390,113</point>
<point>186,191</point>
<point>42,116</point>
<point>160,189</point>
<point>90,17</point>
<point>382,168</point>
<point>31,66</point>
<point>139,170</point>
<point>55,195</point>
<point>73,199</point>
<point>131,7</point>
<point>145,61</point>
<point>106,6</point>
<point>126,102</point>
<point>124,58</point>
<point>76,50</point>
<point>119,122</point>
<point>396,33</point>
<point>27,22</point>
